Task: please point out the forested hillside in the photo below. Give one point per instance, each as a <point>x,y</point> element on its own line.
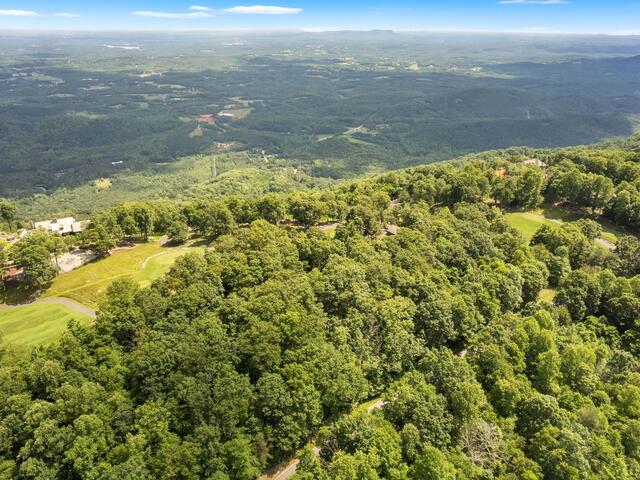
<point>411,290</point>
<point>76,108</point>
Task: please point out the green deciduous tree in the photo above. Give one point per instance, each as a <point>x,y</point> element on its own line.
<point>305,209</point>
<point>413,401</point>
<point>8,211</point>
<point>178,232</point>
<point>272,208</point>
<point>34,255</point>
<point>98,238</point>
<point>431,464</point>
<point>210,219</point>
<point>535,277</point>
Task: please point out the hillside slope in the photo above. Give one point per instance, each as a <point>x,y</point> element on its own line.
<point>412,287</point>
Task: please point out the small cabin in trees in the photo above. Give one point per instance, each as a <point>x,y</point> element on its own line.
<point>536,162</point>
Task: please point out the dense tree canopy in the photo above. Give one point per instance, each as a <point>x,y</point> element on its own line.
<point>271,339</point>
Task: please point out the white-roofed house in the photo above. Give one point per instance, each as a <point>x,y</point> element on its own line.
<point>535,162</point>
<point>63,226</point>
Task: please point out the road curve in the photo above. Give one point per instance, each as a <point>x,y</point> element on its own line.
<point>288,469</point>
<point>606,243</point>
<point>288,472</point>
<point>75,306</point>
<point>379,405</point>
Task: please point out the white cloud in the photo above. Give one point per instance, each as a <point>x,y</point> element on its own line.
<point>200,8</point>
<point>538,30</point>
<point>188,16</point>
<point>533,2</point>
<point>18,13</point>
<point>201,11</point>
<point>66,15</point>
<point>263,10</point>
<point>626,33</point>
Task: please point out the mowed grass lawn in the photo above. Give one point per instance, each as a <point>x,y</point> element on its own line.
<point>528,222</point>
<point>36,324</point>
<point>143,263</point>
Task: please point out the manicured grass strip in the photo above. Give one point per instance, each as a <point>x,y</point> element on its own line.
<point>88,284</point>
<point>39,324</point>
<point>526,223</point>
<point>159,264</point>
<point>610,231</point>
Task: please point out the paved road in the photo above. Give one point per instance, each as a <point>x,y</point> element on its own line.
<point>75,306</point>
<point>379,405</point>
<point>288,472</point>
<point>289,469</point>
<point>606,243</point>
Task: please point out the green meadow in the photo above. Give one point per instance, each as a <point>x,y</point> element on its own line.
<point>144,263</point>
<point>39,324</point>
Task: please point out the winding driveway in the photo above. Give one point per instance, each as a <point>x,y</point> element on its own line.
<point>75,306</point>
<point>288,468</point>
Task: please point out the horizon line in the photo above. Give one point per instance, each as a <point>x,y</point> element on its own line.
<point>311,30</point>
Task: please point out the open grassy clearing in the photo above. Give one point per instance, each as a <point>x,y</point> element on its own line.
<point>144,263</point>
<point>159,264</point>
<point>610,231</point>
<point>528,222</point>
<point>43,323</point>
<point>39,324</point>
<point>238,113</point>
<point>358,141</point>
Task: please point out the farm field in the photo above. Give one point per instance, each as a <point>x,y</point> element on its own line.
<point>144,263</point>
<point>39,324</point>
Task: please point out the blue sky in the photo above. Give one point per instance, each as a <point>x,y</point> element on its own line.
<point>571,16</point>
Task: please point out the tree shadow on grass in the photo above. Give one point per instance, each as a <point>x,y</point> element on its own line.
<point>14,294</point>
<point>564,213</point>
